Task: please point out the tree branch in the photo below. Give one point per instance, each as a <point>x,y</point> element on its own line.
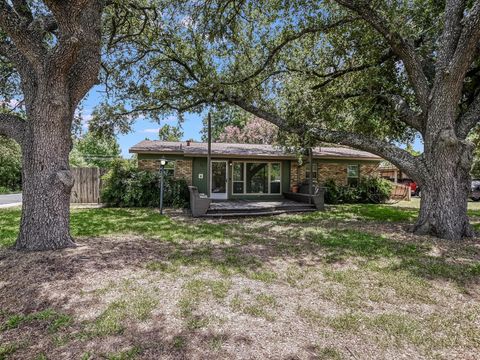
<point>451,31</point>
<point>407,115</point>
<point>12,126</point>
<point>26,40</point>
<point>403,49</point>
<point>467,43</point>
<point>336,74</point>
<point>23,9</point>
<point>287,40</point>
<point>410,164</point>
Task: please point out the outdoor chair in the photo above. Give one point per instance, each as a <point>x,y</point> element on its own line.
<point>199,203</point>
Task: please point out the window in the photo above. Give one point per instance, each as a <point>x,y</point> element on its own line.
<point>275,178</point>
<point>314,170</point>
<point>256,178</point>
<point>352,175</point>
<point>169,169</point>
<point>238,178</point>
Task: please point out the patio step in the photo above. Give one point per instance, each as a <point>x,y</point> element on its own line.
<point>259,211</point>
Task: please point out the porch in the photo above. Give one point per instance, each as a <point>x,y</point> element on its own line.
<point>230,208</point>
<point>202,205</point>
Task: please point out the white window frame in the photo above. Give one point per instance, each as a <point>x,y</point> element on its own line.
<point>358,172</point>
<point>269,163</point>
<point>174,168</point>
<point>315,170</point>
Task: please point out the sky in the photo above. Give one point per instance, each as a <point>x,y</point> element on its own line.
<point>144,128</point>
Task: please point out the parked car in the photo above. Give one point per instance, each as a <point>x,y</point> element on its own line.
<point>414,189</point>
<point>475,190</point>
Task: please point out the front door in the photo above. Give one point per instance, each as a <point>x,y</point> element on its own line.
<point>218,185</point>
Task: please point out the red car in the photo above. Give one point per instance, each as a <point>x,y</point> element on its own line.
<point>415,190</point>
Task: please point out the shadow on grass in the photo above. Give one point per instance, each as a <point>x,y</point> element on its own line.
<point>415,258</point>
<point>147,240</point>
<point>369,212</point>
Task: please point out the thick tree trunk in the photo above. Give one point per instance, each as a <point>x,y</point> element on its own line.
<point>443,209</point>
<point>446,184</point>
<point>47,181</point>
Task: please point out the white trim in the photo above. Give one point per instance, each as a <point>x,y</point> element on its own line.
<point>219,196</point>
<point>269,162</point>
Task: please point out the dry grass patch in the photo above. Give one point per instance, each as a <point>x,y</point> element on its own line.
<point>347,283</point>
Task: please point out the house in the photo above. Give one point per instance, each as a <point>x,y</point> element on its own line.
<point>390,172</point>
<point>251,171</point>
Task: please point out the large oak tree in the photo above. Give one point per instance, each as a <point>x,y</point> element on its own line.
<point>368,74</point>
<point>50,57</point>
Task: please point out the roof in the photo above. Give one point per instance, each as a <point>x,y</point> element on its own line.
<point>197,149</point>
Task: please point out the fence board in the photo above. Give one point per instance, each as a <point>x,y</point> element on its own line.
<point>401,192</point>
<point>86,188</point>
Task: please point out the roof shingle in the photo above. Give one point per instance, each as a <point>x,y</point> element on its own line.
<point>243,150</point>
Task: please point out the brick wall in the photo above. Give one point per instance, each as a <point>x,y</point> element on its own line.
<point>326,171</point>
<point>149,165</point>
<point>183,168</point>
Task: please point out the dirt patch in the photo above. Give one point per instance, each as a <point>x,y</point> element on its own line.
<point>326,289</point>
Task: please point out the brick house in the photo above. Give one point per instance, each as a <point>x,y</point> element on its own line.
<point>251,171</point>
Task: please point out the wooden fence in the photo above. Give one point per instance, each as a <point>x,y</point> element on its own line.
<point>87,185</point>
<point>401,192</point>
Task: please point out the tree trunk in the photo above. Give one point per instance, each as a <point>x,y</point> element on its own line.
<point>446,188</point>
<point>47,181</point>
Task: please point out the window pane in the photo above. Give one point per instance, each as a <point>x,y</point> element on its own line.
<point>275,177</point>
<point>237,187</point>
<point>219,177</point>
<point>257,178</point>
<point>352,171</point>
<point>169,168</point>
<point>237,171</point>
<point>307,170</point>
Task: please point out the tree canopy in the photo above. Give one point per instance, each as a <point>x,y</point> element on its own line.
<point>350,72</point>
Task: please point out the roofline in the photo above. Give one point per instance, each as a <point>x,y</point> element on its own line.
<point>234,156</point>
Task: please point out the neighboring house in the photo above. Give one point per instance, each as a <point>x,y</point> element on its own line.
<point>390,172</point>
<point>250,171</point>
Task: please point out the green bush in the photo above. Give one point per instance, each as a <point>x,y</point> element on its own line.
<point>10,166</point>
<point>126,186</point>
<point>369,190</point>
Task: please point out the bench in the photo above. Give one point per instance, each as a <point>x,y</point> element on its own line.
<point>199,203</point>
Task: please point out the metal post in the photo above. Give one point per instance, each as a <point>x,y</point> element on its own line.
<point>161,188</point>
<point>209,156</point>
<point>310,183</point>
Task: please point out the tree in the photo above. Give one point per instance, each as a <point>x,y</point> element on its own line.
<point>255,131</point>
<point>94,150</point>
<point>51,51</point>
<point>170,133</point>
<point>224,115</point>
<point>342,72</point>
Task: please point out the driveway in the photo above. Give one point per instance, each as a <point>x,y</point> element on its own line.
<point>10,200</point>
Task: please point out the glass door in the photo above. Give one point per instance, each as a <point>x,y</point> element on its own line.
<point>218,185</point>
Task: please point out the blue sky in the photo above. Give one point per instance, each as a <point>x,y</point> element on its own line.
<point>143,129</point>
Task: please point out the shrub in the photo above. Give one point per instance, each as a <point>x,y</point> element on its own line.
<point>368,190</point>
<point>124,185</point>
<point>10,165</point>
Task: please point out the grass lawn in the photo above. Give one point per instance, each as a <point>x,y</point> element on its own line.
<point>348,283</point>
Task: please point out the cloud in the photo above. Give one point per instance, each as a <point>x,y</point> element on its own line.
<point>151,131</point>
